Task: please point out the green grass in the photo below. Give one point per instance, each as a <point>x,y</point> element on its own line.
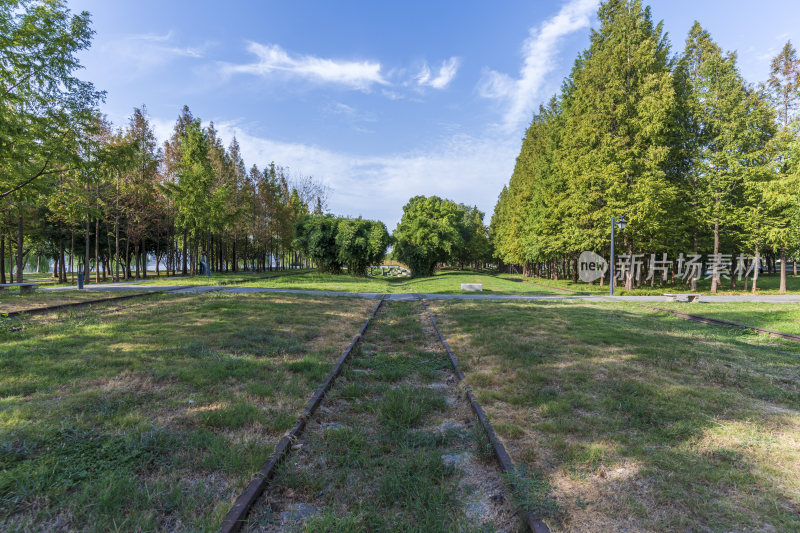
<point>783,317</point>
<point>635,418</point>
<point>767,284</point>
<point>221,278</point>
<point>47,280</point>
<point>16,301</point>
<point>405,407</point>
<point>372,459</point>
<point>447,282</point>
<point>157,415</point>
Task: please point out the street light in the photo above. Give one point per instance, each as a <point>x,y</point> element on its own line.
<point>621,223</point>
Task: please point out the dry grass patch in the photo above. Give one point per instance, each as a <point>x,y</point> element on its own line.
<point>155,415</point>
<point>640,420</point>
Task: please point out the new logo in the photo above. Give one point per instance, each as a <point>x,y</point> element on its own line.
<point>591,266</point>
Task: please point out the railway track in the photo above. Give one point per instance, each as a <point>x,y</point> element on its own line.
<point>382,362</point>
<point>145,292</point>
<point>84,303</point>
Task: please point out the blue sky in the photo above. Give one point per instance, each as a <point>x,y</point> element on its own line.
<point>381,101</point>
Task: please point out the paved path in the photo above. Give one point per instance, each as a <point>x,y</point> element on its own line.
<point>196,289</point>
<point>762,298</point>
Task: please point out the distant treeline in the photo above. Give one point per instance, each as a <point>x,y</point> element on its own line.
<point>695,158</point>
<point>75,189</point>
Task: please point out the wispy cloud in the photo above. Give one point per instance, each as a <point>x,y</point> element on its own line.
<point>163,44</point>
<point>446,74</point>
<point>135,54</point>
<point>352,116</point>
<point>275,61</point>
<point>539,52</point>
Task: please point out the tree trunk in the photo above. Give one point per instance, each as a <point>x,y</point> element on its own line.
<point>193,258</point>
<point>143,251</point>
<point>136,258</point>
<point>126,265</point>
<point>629,278</point>
<point>116,248</point>
<point>235,260</point>
<point>86,252</point>
<point>715,271</point>
<point>20,236</point>
<point>97,250</point>
<point>10,261</point>
<point>2,258</point>
<point>63,272</point>
<point>782,289</point>
<point>72,256</point>
<point>183,256</point>
<point>755,272</point>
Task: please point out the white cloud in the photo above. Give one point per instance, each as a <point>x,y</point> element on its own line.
<point>350,115</point>
<point>446,74</point>
<point>274,60</point>
<point>539,51</point>
<point>139,53</point>
<point>464,168</point>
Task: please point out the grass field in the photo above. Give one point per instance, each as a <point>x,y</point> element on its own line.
<point>766,285</point>
<point>443,283</point>
<point>47,280</point>
<point>14,301</point>
<point>640,421</point>
<point>392,449</point>
<point>783,317</point>
<point>155,416</point>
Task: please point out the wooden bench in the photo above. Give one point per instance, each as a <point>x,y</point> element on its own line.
<point>690,297</point>
<point>23,287</point>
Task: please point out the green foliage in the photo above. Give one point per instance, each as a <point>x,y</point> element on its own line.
<point>316,235</point>
<point>200,201</point>
<point>685,149</point>
<point>361,243</point>
<point>429,233</point>
<point>45,108</point>
<point>332,242</point>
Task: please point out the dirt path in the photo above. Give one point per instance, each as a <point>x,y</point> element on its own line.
<point>394,446</point>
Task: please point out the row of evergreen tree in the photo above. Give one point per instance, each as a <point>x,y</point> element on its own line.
<point>696,159</point>
<point>130,200</point>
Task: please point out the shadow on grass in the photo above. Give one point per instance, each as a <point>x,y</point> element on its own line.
<point>701,426</point>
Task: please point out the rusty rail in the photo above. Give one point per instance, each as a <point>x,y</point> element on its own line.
<point>534,523</point>
<point>237,516</point>
<point>77,305</point>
